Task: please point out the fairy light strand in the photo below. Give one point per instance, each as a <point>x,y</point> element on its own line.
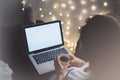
<point>72,15</point>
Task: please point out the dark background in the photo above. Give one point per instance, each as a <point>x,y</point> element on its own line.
<point>12,48</point>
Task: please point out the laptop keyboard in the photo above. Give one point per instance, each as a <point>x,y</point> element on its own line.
<point>48,56</point>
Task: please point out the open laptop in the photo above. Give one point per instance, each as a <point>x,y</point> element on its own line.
<point>43,42</point>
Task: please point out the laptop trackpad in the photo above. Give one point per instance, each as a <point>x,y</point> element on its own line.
<point>46,67</point>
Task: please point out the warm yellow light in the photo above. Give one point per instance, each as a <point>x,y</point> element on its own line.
<point>53,18</point>
<point>68,15</point>
<point>75,44</point>
<point>60,14</point>
<point>72,44</point>
<point>72,7</point>
<point>55,5</point>
<point>23,2</point>
<point>63,5</point>
<point>50,13</point>
<point>93,0</point>
<point>71,49</point>
<point>68,28</point>
<point>40,9</point>
<point>80,18</point>
<point>43,0</point>
<point>23,9</point>
<point>68,22</point>
<point>62,22</point>
<point>84,11</point>
<point>83,2</point>
<point>69,2</point>
<point>79,27</point>
<point>67,33</point>
<point>68,41</point>
<point>91,16</point>
<point>105,4</point>
<point>68,45</point>
<point>93,7</point>
<point>41,15</point>
<point>101,13</point>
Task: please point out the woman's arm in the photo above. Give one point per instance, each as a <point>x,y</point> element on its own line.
<point>60,69</point>
<point>60,77</point>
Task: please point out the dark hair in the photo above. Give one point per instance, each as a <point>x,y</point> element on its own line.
<point>100,36</point>
<point>99,31</point>
<point>39,21</point>
<point>100,39</point>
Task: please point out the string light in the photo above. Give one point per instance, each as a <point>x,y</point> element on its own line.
<point>80,18</point>
<point>63,5</point>
<point>55,6</point>
<point>62,22</point>
<point>68,22</point>
<point>93,7</point>
<point>69,2</point>
<point>67,12</point>
<point>40,9</point>
<point>43,0</point>
<point>68,28</point>
<point>60,14</point>
<point>105,4</point>
<point>41,15</point>
<point>68,45</point>
<point>71,49</point>
<point>67,33</point>
<point>84,11</point>
<point>75,44</point>
<point>72,44</point>
<point>67,41</point>
<point>83,2</point>
<point>68,15</point>
<point>50,13</point>
<point>53,18</point>
<point>23,9</point>
<point>79,27</point>
<point>23,2</point>
<point>101,13</point>
<point>72,7</point>
<point>93,0</point>
<point>91,16</point>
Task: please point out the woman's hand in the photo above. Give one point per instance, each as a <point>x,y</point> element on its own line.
<point>75,62</point>
<point>60,68</point>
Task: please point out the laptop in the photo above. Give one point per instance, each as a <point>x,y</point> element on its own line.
<point>43,42</point>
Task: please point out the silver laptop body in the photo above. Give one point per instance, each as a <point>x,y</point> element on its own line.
<point>43,42</point>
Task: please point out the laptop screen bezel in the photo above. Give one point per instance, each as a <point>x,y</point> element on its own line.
<point>39,24</point>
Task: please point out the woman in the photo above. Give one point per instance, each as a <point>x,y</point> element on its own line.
<point>99,44</point>
<point>74,69</point>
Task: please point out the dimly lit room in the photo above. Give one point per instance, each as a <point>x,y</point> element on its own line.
<point>17,17</point>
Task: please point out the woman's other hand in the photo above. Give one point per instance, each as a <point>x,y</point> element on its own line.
<point>75,62</point>
<point>60,68</point>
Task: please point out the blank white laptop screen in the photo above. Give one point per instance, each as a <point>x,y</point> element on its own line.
<point>43,36</point>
